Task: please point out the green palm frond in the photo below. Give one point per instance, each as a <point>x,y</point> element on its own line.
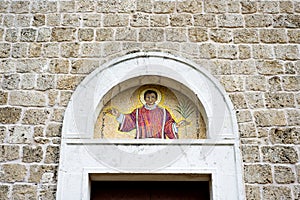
<point>185,108</point>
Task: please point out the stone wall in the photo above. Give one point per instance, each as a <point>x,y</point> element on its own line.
<point>48,47</point>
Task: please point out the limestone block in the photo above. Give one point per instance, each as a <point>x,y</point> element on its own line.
<point>115,20</point>
<point>258,20</point>
<point>197,34</point>
<point>34,50</point>
<point>52,154</point>
<point>84,66</point>
<point>32,154</point>
<point>258,173</point>
<point>238,100</point>
<point>45,82</point>
<point>27,98</point>
<point>53,130</point>
<point>4,7</point>
<point>104,34</point>
<point>159,20</point>
<point>244,51</point>
<point>207,50</point>
<point>30,65</point>
<point>28,35</point>
<point>68,82</point>
<point>244,67</point>
<point>233,7</point>
<point>233,83</point>
<point>51,50</point>
<point>243,116</point>
<point>28,81</point>
<point>248,7</point>
<point>9,115</point>
<point>160,7</point>
<point>262,132</point>
<point>286,21</point>
<point>1,34</point>
<point>215,6</point>
<point>245,36</point>
<point>11,35</point>
<point>19,50</point>
<point>274,84</point>
<point>71,20</point>
<point>126,34</point>
<point>252,192</point>
<point>263,52</point>
<point>111,48</point>
<point>85,34</point>
<point>44,35</point>
<point>256,83</point>
<point>5,50</point>
<point>270,118</point>
<point>151,35</point>
<point>283,175</point>
<point>35,116</point>
<point>24,191</point>
<point>276,192</point>
<point>181,20</point>
<point>144,6</point>
<point>58,115</point>
<point>286,6</point>
<point>52,97</point>
<point>270,67</point>
<point>11,81</point>
<point>293,36</point>
<point>139,20</point>
<point>92,20</point>
<point>20,135</point>
<point>47,192</point>
<point>38,131</point>
<point>3,97</point>
<point>287,52</point>
<point>220,35</point>
<point>247,130</point>
<point>64,98</point>
<point>205,20</point>
<point>62,34</point>
<point>230,20</point>
<point>4,192</point>
<point>227,51</point>
<point>85,5</point>
<point>189,6</point>
<point>250,154</point>
<point>177,35</point>
<point>296,191</point>
<point>13,173</point>
<point>298,172</point>
<point>23,20</point>
<point>67,6</point>
<point>38,171</point>
<point>268,7</point>
<point>91,50</point>
<point>59,66</point>
<point>293,117</point>
<point>9,152</point>
<point>9,20</point>
<point>279,154</point>
<point>290,68</point>
<point>39,20</point>
<point>273,36</point>
<point>19,7</point>
<point>279,100</point>
<point>53,19</point>
<point>291,83</point>
<point>70,50</point>
<point>44,7</point>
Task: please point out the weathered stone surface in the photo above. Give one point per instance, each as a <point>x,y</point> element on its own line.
<point>273,35</point>
<point>243,116</point>
<point>274,84</point>
<point>30,65</point>
<point>39,20</point>
<point>92,20</point>
<point>163,7</point>
<point>115,20</point>
<point>27,98</point>
<point>86,34</point>
<point>248,7</point>
<point>189,6</point>
<point>244,51</point>
<point>8,152</point>
<point>285,135</point>
<point>276,192</point>
<point>126,34</point>
<point>207,50</point>
<point>252,192</point>
<point>3,131</point>
<point>71,19</point>
<point>263,52</point>
<point>44,7</point>
<point>35,116</point>
<point>47,192</point>
<point>151,35</point>
<point>284,175</point>
<point>247,130</point>
<point>38,174</point>
<point>178,35</point>
<point>287,52</point>
<point>53,130</point>
<point>258,20</point>
<point>91,50</point>
<point>298,172</point>
<point>32,154</point>
<point>181,20</point>
<point>227,51</point>
<point>286,21</point>
<point>258,174</point>
<point>84,66</point>
<point>58,114</point>
<point>34,50</point>
<point>104,34</point>
<point>256,83</point>
<point>269,67</point>
<point>9,115</point>
<point>51,50</point>
<point>232,83</point>
<point>205,20</point>
<point>139,20</point>
<point>279,154</point>
<point>255,100</point>
<point>279,100</point>
<point>20,135</point>
<point>291,83</point>
<point>13,173</point>
<point>62,34</point>
<point>293,117</point>
<point>238,100</point>
<point>45,82</point>
<point>59,66</point>
<point>250,154</point>
<point>5,50</point>
<point>220,35</point>
<point>270,118</point>
<point>159,20</point>
<point>230,20</point>
<point>4,192</point>
<point>10,81</point>
<point>44,35</point>
<point>28,81</point>
<point>28,35</point>
<point>245,36</point>
<point>52,155</point>
<point>24,192</point>
<point>68,82</point>
<point>64,98</point>
<point>19,50</point>
<point>293,36</point>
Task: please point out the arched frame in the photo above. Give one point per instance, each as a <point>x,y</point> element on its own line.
<point>82,157</point>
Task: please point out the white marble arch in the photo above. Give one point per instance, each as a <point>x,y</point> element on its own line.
<point>82,156</point>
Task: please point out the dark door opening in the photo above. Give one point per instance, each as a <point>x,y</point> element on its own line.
<point>150,190</point>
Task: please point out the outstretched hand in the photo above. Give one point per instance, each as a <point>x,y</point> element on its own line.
<point>114,112</point>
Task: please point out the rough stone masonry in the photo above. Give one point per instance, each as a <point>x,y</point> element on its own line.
<point>48,46</point>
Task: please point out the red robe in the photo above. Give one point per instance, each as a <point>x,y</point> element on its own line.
<point>150,123</point>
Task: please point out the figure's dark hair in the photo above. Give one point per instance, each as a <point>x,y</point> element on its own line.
<point>150,92</point>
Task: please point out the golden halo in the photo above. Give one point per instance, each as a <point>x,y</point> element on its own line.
<point>154,89</point>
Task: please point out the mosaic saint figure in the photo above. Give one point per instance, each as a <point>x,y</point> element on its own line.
<point>150,121</point>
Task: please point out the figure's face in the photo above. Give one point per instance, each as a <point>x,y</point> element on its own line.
<point>150,99</point>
